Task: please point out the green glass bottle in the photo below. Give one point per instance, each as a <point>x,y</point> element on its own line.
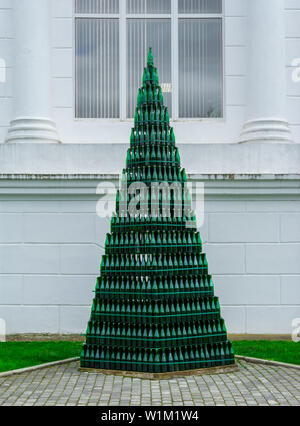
<point>154,308</point>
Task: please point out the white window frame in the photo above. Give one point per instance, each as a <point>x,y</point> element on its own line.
<point>174,17</point>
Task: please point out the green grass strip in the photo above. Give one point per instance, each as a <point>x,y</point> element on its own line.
<point>14,355</point>
<point>282,351</point>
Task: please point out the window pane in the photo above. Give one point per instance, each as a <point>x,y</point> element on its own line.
<point>97,6</point>
<point>97,68</point>
<point>142,34</point>
<point>200,68</point>
<point>148,6</point>
<point>200,6</point>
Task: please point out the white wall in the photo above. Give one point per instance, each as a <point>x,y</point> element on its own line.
<point>50,237</point>
<point>224,131</point>
<point>6,53</point>
<point>94,131</point>
<point>51,243</point>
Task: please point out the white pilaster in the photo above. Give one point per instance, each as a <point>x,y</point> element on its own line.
<point>266,81</point>
<point>32,79</point>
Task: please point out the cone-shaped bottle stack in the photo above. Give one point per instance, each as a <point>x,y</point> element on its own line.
<point>154,308</point>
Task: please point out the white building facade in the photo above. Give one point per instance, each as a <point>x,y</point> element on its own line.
<point>69,74</point>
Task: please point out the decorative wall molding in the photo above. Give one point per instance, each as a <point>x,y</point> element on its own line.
<point>86,185</point>
<point>95,159</point>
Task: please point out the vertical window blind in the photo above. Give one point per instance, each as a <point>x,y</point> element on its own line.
<point>200,68</point>
<point>97,68</point>
<point>97,6</point>
<point>199,6</point>
<point>148,6</point>
<point>187,39</point>
<point>142,33</point>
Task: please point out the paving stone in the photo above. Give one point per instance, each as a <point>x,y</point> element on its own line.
<point>64,385</point>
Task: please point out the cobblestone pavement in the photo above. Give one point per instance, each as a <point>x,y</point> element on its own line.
<point>253,384</point>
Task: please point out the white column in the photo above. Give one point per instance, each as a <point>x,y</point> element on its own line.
<point>32,74</point>
<point>266,75</point>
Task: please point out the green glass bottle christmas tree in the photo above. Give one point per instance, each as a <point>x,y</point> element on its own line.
<point>154,308</point>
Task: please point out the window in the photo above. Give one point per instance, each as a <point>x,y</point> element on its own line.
<point>97,59</point>
<point>112,38</point>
